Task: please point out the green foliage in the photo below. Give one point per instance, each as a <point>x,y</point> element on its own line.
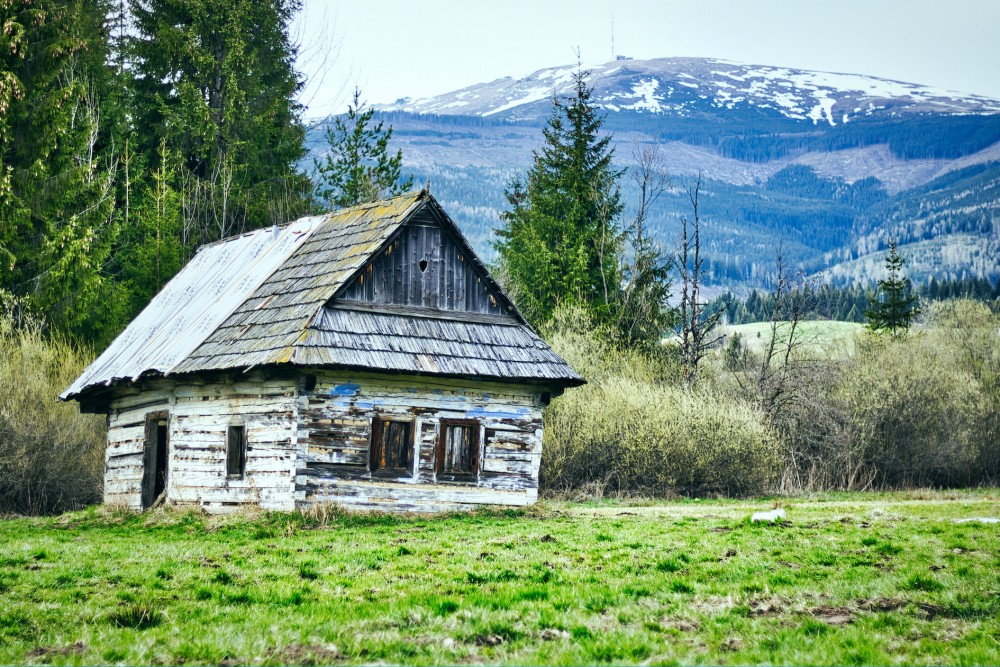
<point>357,167</point>
<point>900,411</point>
<point>634,429</point>
<point>57,165</point>
<point>120,153</point>
<point>894,309</point>
<point>153,249</point>
<point>215,81</point>
<point>561,241</point>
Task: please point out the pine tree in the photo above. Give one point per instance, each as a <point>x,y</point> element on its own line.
<point>357,167</point>
<point>58,162</point>
<point>561,242</point>
<point>895,307</point>
<point>215,80</point>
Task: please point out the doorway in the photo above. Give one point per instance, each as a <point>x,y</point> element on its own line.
<point>154,468</point>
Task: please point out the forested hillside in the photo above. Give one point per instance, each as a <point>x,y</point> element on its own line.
<point>826,166</point>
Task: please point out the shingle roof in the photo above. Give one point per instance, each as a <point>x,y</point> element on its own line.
<point>259,299</point>
<point>490,347</point>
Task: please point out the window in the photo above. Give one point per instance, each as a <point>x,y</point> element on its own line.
<point>391,446</point>
<point>236,450</point>
<point>458,449</point>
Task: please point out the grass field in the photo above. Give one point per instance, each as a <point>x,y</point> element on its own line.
<point>822,337</point>
<point>847,579</point>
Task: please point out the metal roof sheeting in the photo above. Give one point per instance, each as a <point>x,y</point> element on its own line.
<point>259,299</point>
<point>194,303</point>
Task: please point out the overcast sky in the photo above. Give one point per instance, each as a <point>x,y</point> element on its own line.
<point>419,48</point>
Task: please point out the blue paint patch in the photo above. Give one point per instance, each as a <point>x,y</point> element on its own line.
<point>483,413</point>
<point>345,390</point>
<point>364,404</point>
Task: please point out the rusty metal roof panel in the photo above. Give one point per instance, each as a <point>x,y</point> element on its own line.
<point>194,303</point>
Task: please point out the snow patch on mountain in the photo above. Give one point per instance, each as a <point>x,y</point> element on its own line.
<point>682,86</point>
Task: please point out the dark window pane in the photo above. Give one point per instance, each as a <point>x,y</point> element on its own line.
<point>236,451</point>
<point>393,445</point>
<point>458,448</point>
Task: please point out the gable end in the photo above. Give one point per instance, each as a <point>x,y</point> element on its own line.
<point>426,265</point>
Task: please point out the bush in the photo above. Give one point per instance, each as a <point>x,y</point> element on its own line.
<point>634,429</point>
<point>925,407</point>
<point>914,410</point>
<point>51,456</point>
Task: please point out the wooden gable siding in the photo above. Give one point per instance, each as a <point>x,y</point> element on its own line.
<point>449,281</point>
<point>199,416</point>
<point>335,425</point>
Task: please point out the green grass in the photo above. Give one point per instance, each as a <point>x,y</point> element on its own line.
<point>847,579</point>
<point>829,338</point>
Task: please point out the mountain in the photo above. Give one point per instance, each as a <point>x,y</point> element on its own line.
<point>691,87</point>
<point>825,166</point>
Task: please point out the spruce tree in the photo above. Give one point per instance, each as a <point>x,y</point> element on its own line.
<point>215,81</point>
<point>357,167</point>
<point>561,241</point>
<point>894,307</point>
<point>58,162</point>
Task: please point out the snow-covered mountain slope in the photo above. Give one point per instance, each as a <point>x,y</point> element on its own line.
<point>690,87</point>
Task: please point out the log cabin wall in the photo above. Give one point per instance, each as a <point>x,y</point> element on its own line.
<point>123,457</point>
<point>199,419</point>
<point>334,434</point>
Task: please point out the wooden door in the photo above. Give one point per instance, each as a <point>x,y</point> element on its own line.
<point>155,457</point>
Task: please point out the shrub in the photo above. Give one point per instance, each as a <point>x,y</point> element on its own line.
<point>632,429</point>
<point>924,408</point>
<point>51,456</point>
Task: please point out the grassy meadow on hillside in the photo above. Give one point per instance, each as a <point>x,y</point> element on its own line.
<point>818,337</point>
<point>847,579</point>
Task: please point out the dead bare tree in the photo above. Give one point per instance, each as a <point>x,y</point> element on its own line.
<point>642,313</point>
<point>767,378</point>
<point>697,329</point>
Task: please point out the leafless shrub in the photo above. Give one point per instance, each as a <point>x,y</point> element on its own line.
<point>51,456</point>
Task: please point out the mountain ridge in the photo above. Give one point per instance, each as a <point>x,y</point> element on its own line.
<point>675,85</point>
<point>781,166</point>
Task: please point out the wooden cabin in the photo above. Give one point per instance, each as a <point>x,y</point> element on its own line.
<point>364,358</point>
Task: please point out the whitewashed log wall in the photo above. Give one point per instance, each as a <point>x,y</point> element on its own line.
<point>333,435</point>
<point>307,447</point>
<point>199,415</point>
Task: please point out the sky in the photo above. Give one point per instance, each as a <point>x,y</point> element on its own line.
<point>419,48</point>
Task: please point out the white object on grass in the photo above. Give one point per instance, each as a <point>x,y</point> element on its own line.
<point>771,516</point>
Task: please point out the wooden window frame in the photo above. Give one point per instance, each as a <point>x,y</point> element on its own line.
<point>439,473</point>
<point>375,443</point>
<point>242,451</point>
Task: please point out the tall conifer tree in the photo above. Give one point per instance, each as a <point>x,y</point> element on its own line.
<point>561,242</point>
<point>358,167</point>
<point>894,308</point>
<point>216,84</point>
<point>58,162</point>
